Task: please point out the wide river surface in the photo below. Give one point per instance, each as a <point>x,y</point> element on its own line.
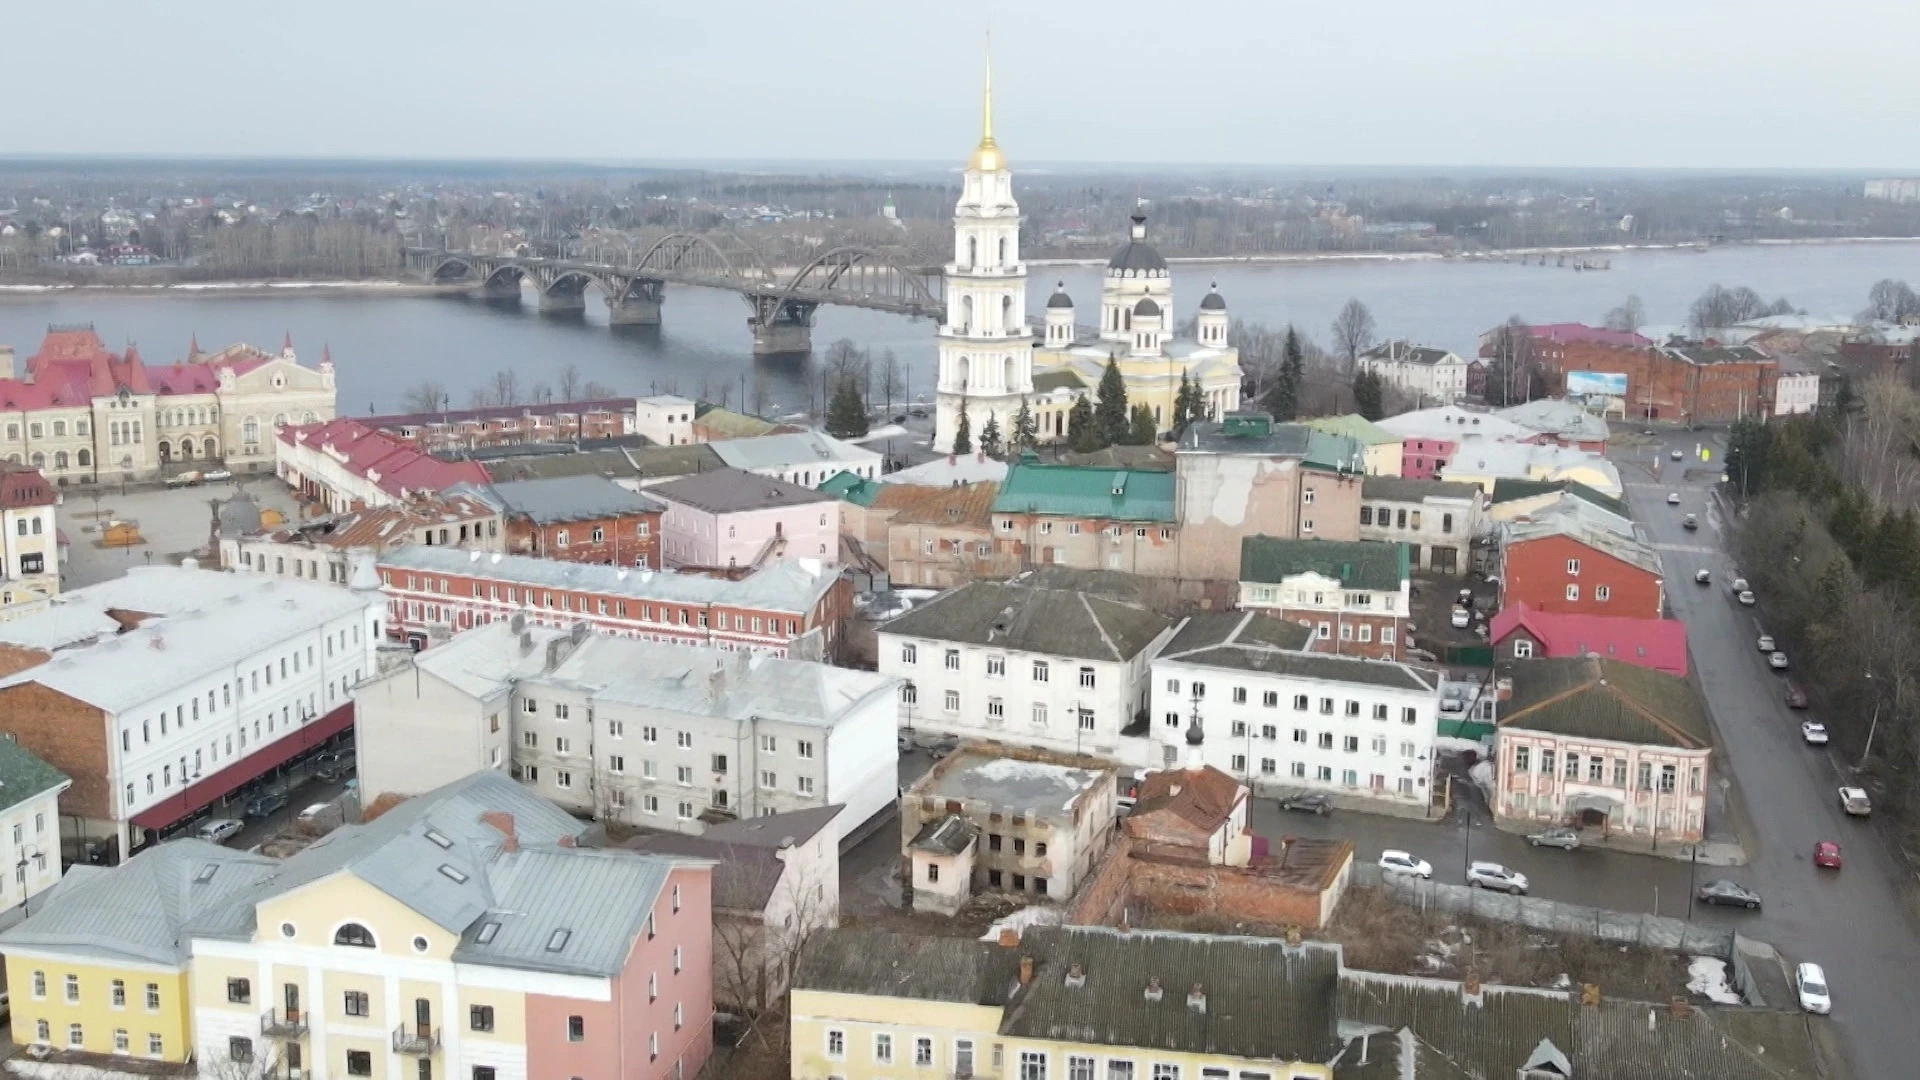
<point>382,345</point>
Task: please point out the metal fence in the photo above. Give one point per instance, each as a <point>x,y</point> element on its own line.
<point>1652,931</point>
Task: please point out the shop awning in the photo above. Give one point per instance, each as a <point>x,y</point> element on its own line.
<point>211,789</point>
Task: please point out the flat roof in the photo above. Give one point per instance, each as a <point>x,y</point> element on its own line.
<point>984,776</point>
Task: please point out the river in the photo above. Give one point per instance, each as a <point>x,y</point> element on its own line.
<point>381,345</point>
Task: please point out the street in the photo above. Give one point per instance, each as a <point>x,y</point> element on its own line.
<point>1849,921</point>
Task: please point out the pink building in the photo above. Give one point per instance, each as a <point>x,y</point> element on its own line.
<point>735,518</point>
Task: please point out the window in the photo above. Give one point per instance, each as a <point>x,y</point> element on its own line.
<point>803,748</point>
<point>768,780</point>
<point>153,997</point>
<point>121,1044</point>
<point>1033,1065</point>
<point>73,988</point>
<point>768,744</point>
<point>1573,592</point>
<point>1409,715</point>
<point>1620,772</point>
<point>1079,1068</point>
<point>355,935</point>
<point>356,1003</point>
<point>923,1051</point>
<point>909,654</point>
<point>1239,695</point>
<point>239,991</point>
<point>1350,744</point>
<point>1602,592</point>
<point>1522,649</point>
<point>1573,567</point>
<point>836,1044</point>
<point>909,694</point>
<point>996,667</point>
<point>1086,678</point>
<point>1522,758</point>
<point>483,1072</point>
<point>996,708</point>
<point>952,701</point>
<point>75,1036</point>
<point>1325,742</point>
<point>480,1017</point>
<point>1646,776</point>
<point>683,775</point>
<point>239,1048</point>
<point>883,1048</point>
<point>1596,770</point>
<point>1573,766</point>
<point>953,660</point>
<point>683,739</point>
<point>1667,775</point>
<point>116,993</point>
<point>155,1044</point>
<point>1366,515</point>
<point>359,1063</point>
<point>576,1029</point>
<point>963,1057</point>
<point>1039,671</point>
<point>1163,1071</point>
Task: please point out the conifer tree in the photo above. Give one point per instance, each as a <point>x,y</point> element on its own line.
<point>846,417</point>
<point>1283,400</point>
<point>1083,431</point>
<point>1111,412</point>
<point>1026,430</point>
<point>1143,429</point>
<point>990,436</point>
<point>963,431</point>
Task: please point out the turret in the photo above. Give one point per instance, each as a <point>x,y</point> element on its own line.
<point>286,348</point>
<point>1147,328</point>
<point>326,364</point>
<point>1059,318</point>
<point>1211,323</point>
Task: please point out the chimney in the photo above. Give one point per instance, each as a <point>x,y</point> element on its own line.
<point>1026,970</point>
<point>1197,999</point>
<point>1470,987</point>
<point>1076,975</point>
<point>1009,937</point>
<point>565,842</point>
<point>1153,988</point>
<point>503,824</point>
<point>1681,1010</point>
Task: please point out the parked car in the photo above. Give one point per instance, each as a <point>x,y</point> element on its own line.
<point>1796,697</point>
<point>1814,732</point>
<point>1777,660</point>
<point>1855,802</point>
<point>265,803</point>
<point>1675,455</point>
<point>334,764</point>
<point>1766,642</point>
<point>1826,854</point>
<point>214,476</point>
<point>1460,618</point>
<point>1811,984</point>
<point>1739,585</point>
<point>1673,498</point>
<point>1399,862</point>
<point>1491,875</point>
<point>185,479</point>
<point>1745,597</point>
<point>217,830</point>
<point>1308,804</point>
<point>1564,838</point>
<point>1727,894</point>
<point>314,812</point>
<point>1703,577</point>
<point>1691,523</point>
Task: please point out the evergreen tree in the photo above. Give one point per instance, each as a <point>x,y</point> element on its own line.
<point>990,437</point>
<point>846,417</point>
<point>1368,394</point>
<point>1283,400</point>
<point>1026,430</point>
<point>1110,414</point>
<point>1143,428</point>
<point>1187,404</point>
<point>1083,431</point>
<point>963,431</point>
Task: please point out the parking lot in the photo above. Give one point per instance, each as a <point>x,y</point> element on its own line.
<point>174,522</point>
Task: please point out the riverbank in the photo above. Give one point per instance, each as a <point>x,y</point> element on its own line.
<point>1306,258</point>
<point>44,290</point>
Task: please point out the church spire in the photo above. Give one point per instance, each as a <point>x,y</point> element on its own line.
<point>987,156</point>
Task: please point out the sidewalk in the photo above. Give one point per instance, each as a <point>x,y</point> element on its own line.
<point>1713,851</point>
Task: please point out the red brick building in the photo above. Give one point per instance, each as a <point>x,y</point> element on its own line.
<point>436,592</point>
<point>467,429</point>
<point>1695,383</point>
<point>584,518</point>
<point>1567,565</point>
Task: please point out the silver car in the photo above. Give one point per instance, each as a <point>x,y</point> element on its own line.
<point>1563,838</point>
<point>1491,875</point>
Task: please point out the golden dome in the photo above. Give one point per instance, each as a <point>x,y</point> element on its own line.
<point>987,156</point>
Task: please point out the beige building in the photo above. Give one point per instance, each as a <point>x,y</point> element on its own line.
<point>29,542</point>
<point>84,414</point>
<point>318,549</point>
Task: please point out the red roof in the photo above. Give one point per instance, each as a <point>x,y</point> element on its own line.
<point>73,366</point>
<point>1591,334</point>
<point>394,466</point>
<point>21,486</point>
<point>1659,644</point>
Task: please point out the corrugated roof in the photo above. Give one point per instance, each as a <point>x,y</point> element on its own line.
<point>1600,698</point>
<point>1024,618</point>
<point>1660,644</point>
<point>781,585</point>
<point>852,487</point>
<point>23,775</point>
<point>968,505</point>
<point>915,966</point>
<point>1086,492</point>
<point>1400,489</point>
<point>732,490</point>
<point>1513,488</point>
<point>792,450</point>
<point>1583,522</point>
<point>1376,565</point>
<point>1355,427</point>
<point>1233,435</point>
<point>1251,641</point>
<point>646,463</point>
<point>553,499</point>
<point>1203,797</point>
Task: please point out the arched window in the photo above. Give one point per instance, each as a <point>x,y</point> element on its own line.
<point>85,458</point>
<point>966,315</point>
<point>166,451</point>
<point>309,418</point>
<point>39,459</point>
<point>355,935</point>
<point>960,369</point>
<point>279,421</point>
<point>59,429</point>
<point>212,450</point>
<point>1007,381</point>
<point>1003,251</point>
<point>973,251</point>
<point>1006,315</point>
<point>186,448</point>
<point>59,459</point>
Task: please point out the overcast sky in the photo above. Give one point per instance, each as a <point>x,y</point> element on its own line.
<point>1681,83</point>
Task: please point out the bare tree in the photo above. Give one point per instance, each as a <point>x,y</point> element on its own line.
<point>424,397</point>
<point>594,391</point>
<point>1353,331</point>
<point>1629,317</point>
<point>1512,370</point>
<point>569,383</point>
<point>755,951</point>
<point>891,384</point>
<point>505,388</point>
<point>540,394</point>
<point>1891,301</point>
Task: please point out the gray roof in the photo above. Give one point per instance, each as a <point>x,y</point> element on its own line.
<point>554,499</point>
<point>1213,301</point>
<point>775,830</point>
<point>1251,641</point>
<point>435,854</point>
<point>1399,489</point>
<point>789,449</point>
<point>1023,618</point>
<point>917,966</point>
<point>950,835</point>
<point>732,490</point>
<point>139,911</point>
<point>781,585</point>
<point>1042,788</point>
<point>23,775</point>
<point>1598,697</point>
<point>1060,299</point>
<point>209,621</point>
<point>744,878</point>
<point>1146,306</point>
<point>1379,565</point>
<point>239,515</point>
<point>1403,352</point>
<point>647,463</point>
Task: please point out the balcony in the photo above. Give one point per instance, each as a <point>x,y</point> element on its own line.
<point>283,1024</point>
<point>416,1039</point>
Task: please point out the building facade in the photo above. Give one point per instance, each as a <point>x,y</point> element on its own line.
<point>1418,370</point>
<point>1282,719</point>
<point>345,465</point>
<point>1436,519</point>
<point>1051,669</point>
<point>735,518</point>
<point>320,549</point>
<point>509,425</point>
<point>946,540</point>
<point>664,419</point>
<point>1572,565</point>
<point>806,458</point>
<point>29,541</point>
<point>576,519</point>
<point>1355,597</point>
<point>30,791</point>
<point>435,592</point>
<point>1041,820</point>
<point>1380,448</point>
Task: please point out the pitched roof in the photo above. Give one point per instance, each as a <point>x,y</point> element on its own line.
<point>812,448</point>
<point>554,499</point>
<point>1058,379</point>
<point>1512,488</point>
<point>1587,525</point>
<point>781,585</point>
<point>915,966</point>
<point>376,527</point>
<point>744,878</point>
<point>1557,416</point>
<point>1601,698</point>
<point>389,463</point>
<point>645,463</point>
<point>968,505</point>
<point>1022,618</point>
<point>1402,489</point>
<point>1660,644</point>
<point>730,491</point>
<point>1252,641</point>
<point>1359,564</point>
<point>1353,426</point>
<point>851,487</point>
<point>1203,797</point>
<point>22,485</point>
<point>1405,352</point>
<point>1086,492</point>
<point>1256,434</point>
<point>140,910</point>
<point>1566,332</point>
<point>949,835</point>
<point>23,775</point>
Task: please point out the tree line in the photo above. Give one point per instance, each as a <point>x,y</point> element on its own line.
<point>504,389</point>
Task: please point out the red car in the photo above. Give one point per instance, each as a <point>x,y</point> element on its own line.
<point>1827,853</point>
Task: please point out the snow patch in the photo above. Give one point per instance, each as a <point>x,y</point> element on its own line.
<point>1482,774</point>
<point>1019,921</point>
<point>1707,977</point>
<point>1459,745</point>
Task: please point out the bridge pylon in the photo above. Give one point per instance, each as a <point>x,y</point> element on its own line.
<point>780,324</point>
<point>638,304</point>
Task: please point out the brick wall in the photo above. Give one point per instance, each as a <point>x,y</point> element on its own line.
<point>1536,575</point>
<point>68,734</point>
<point>630,540</point>
<point>1163,882</point>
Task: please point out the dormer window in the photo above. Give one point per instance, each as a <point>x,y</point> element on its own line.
<point>354,935</point>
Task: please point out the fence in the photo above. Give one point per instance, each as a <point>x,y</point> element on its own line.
<point>1651,931</point>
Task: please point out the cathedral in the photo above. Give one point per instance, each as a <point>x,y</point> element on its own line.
<point>992,362</point>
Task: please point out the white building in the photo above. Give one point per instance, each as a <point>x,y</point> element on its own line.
<point>632,731</point>
<point>1055,669</point>
<point>30,792</point>
<point>1436,519</point>
<point>807,458</point>
<point>1417,369</point>
<point>29,541</point>
<point>664,419</point>
<point>1283,719</point>
<point>1796,389</point>
<point>168,689</point>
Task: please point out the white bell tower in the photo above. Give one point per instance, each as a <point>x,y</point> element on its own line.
<point>986,350</point>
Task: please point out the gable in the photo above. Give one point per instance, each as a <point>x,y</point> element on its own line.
<point>318,909</point>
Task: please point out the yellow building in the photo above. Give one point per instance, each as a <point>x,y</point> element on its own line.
<point>101,966</point>
<point>1065,1003</point>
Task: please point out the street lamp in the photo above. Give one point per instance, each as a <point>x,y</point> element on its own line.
<point>1871,728</point>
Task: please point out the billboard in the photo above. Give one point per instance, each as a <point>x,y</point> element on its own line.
<point>1604,383</point>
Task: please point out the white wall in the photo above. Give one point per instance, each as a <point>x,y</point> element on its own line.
<point>696,537</point>
<point>37,822</point>
<point>414,732</point>
<point>863,761</point>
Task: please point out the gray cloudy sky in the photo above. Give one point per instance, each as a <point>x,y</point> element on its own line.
<point>1705,83</point>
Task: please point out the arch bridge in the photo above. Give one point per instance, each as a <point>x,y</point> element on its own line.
<point>781,305</point>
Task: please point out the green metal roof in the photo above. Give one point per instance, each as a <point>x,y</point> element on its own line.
<point>1359,564</point>
<point>1086,491</point>
<point>852,488</point>
<point>1353,426</point>
<point>23,775</point>
<point>1058,379</point>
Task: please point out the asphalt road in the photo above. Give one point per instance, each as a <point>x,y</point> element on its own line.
<point>1850,921</point>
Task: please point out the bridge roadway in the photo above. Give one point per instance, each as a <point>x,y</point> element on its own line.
<point>781,308</point>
